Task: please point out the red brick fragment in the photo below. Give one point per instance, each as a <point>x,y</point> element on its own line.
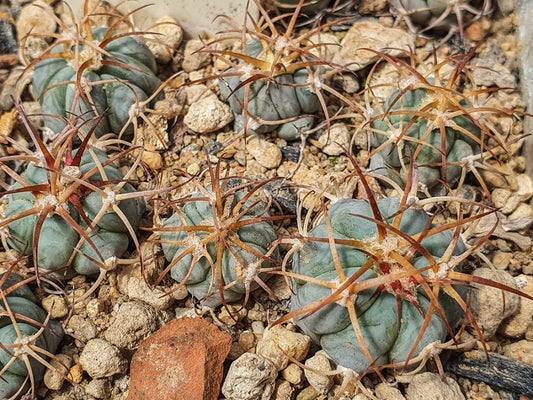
<point>183,360</point>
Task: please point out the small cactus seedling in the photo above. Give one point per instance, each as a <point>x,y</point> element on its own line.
<point>89,71</point>
<point>379,284</point>
<point>28,338</point>
<point>279,79</point>
<point>438,14</point>
<point>439,123</point>
<point>219,241</point>
<point>70,208</point>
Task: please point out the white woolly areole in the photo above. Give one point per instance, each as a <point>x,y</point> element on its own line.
<point>49,200</point>
<point>247,71</point>
<point>88,53</point>
<point>433,349</point>
<point>346,295</point>
<point>193,241</point>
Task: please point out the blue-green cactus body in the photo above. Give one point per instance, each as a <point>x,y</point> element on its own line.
<point>133,84</point>
<point>425,12</point>
<point>57,238</point>
<point>235,261</point>
<point>456,145</point>
<point>389,331</point>
<point>272,101</point>
<point>29,318</point>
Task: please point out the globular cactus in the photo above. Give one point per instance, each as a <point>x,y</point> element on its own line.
<point>92,72</point>
<point>439,121</point>
<point>433,147</point>
<point>219,242</point>
<point>27,338</point>
<point>367,283</point>
<point>75,209</point>
<point>277,80</point>
<point>285,97</point>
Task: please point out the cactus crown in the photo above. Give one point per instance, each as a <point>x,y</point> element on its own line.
<point>379,282</point>
<point>219,241</point>
<point>277,76</point>
<point>438,121</point>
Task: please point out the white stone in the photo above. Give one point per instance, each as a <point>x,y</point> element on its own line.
<point>522,322</point>
<point>100,359</point>
<point>250,377</point>
<point>278,344</point>
<point>208,115</point>
<point>319,380</point>
<point>386,392</point>
<point>135,321</point>
<point>427,386</point>
<point>138,289</point>
<point>54,378</point>
<point>332,142</point>
<point>521,351</point>
<point>490,306</point>
<point>193,57</point>
<point>167,39</point>
<point>36,18</point>
<point>267,154</point>
<point>371,35</point>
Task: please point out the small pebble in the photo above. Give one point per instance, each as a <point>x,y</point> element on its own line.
<point>283,391</point>
<point>521,351</point>
<point>55,305</point>
<point>385,391</point>
<point>194,59</point>
<point>100,359</point>
<point>319,380</point>
<point>279,343</point>
<point>309,393</point>
<point>135,321</point>
<point>428,386</point>
<point>490,306</point>
<point>76,373</point>
<point>98,388</point>
<point>293,374</point>
<point>138,289</point>
<point>168,40</point>
<point>265,153</point>
<point>208,115</point>
<point>332,142</point>
<point>250,377</point>
<point>53,379</point>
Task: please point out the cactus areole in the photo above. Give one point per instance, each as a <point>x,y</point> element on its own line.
<point>390,314</point>
<point>125,67</point>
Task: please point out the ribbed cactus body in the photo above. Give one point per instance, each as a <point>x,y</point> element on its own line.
<point>421,140</point>
<point>57,237</point>
<point>124,87</point>
<point>29,318</point>
<point>389,321</point>
<point>271,101</point>
<point>425,12</point>
<point>237,263</point>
